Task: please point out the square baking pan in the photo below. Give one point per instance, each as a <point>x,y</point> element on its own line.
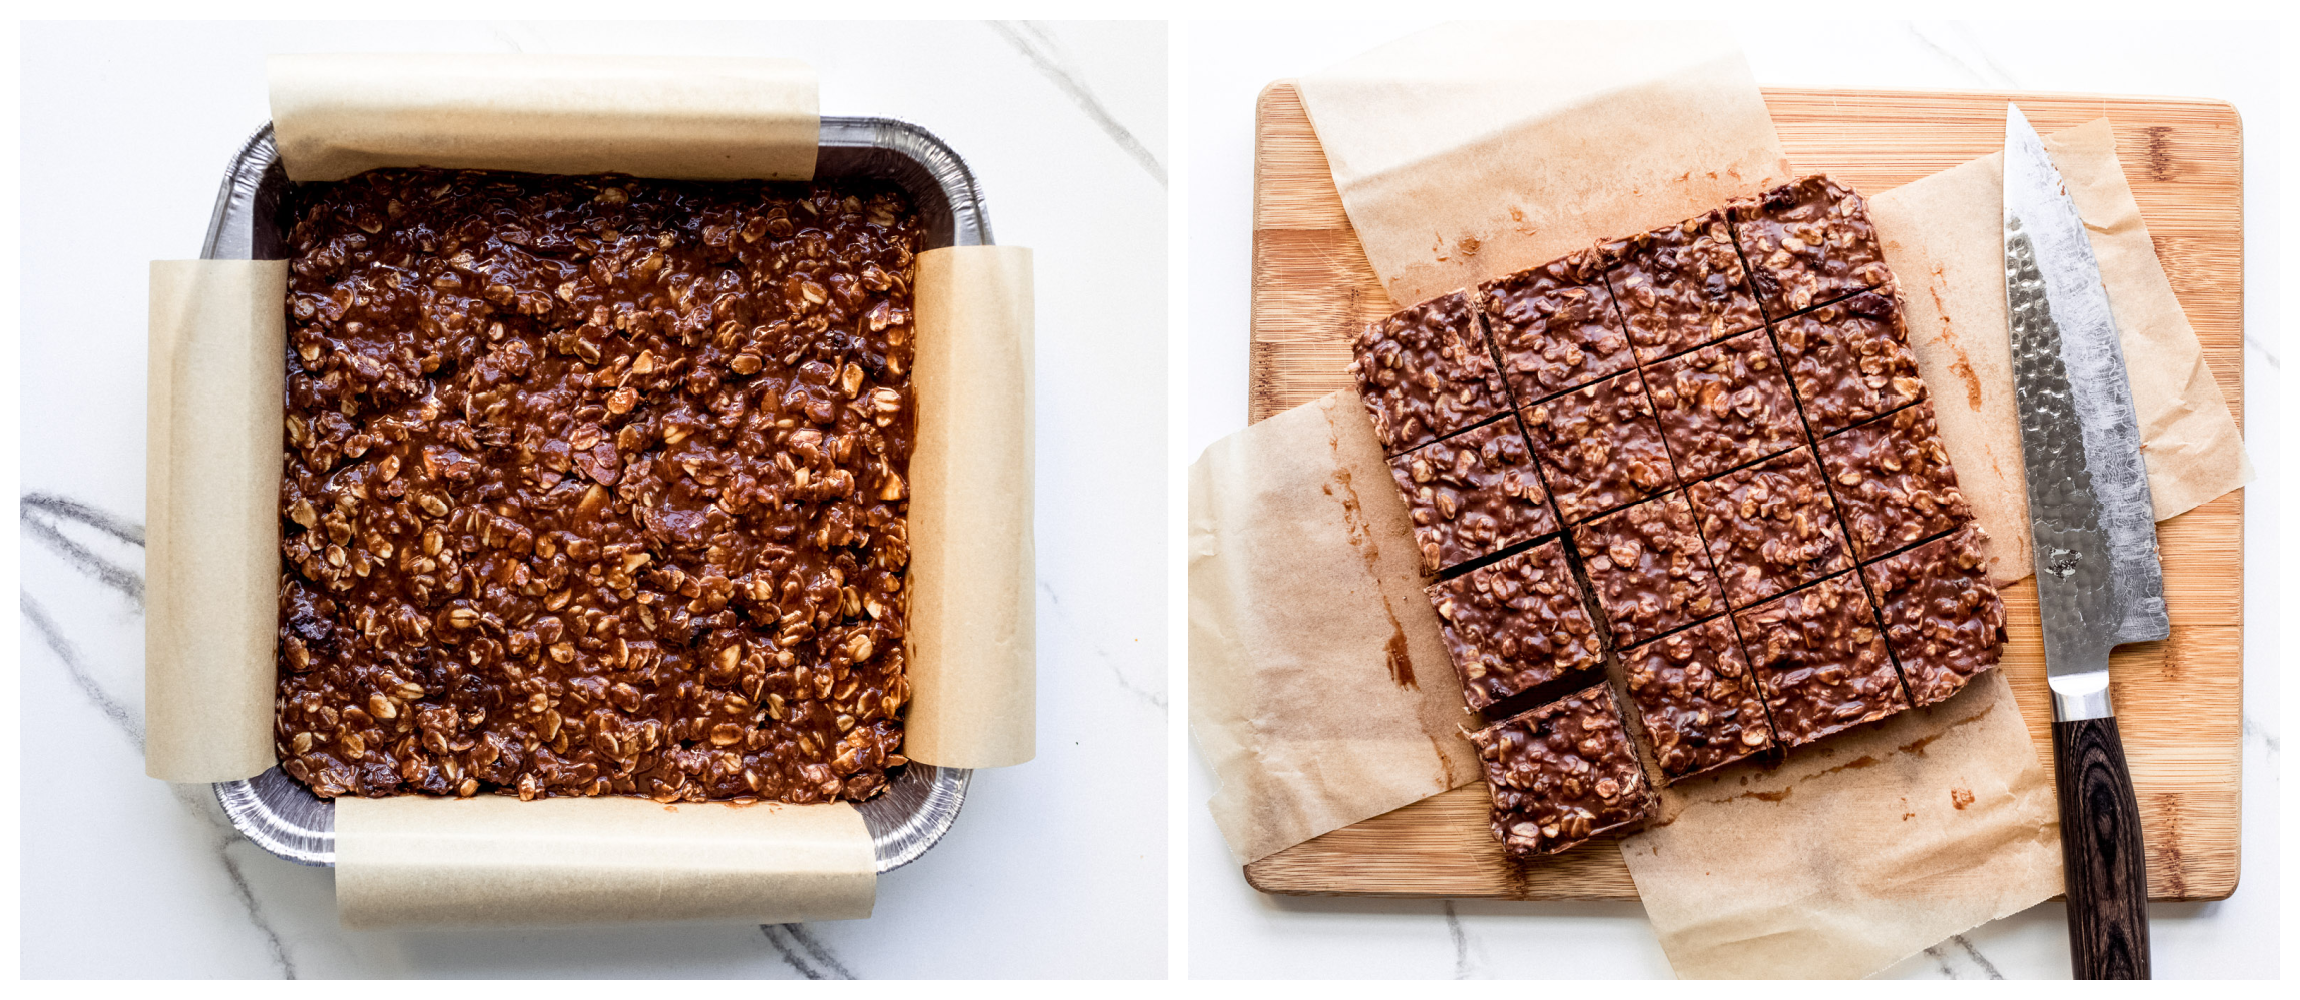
<point>281,815</point>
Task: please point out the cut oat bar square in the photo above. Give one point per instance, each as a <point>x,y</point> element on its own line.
<point>1681,286</point>
<point>1562,774</point>
<point>1697,700</point>
<point>1515,624</point>
<point>1473,494</point>
<point>1943,621</point>
<point>1724,406</point>
<point>1648,569</point>
<point>1599,447</point>
<point>1821,661</point>
<point>1555,326</point>
<point>1893,482</point>
<point>1425,372</point>
<point>1770,527</point>
<point>1808,242</point>
<point>1850,360</point>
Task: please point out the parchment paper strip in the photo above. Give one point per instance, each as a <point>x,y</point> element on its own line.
<point>696,118</point>
<point>494,860</point>
<point>1855,853</point>
<point>1472,150</point>
<point>973,570</point>
<point>211,515</point>
<point>1944,239</point>
<point>1320,689</point>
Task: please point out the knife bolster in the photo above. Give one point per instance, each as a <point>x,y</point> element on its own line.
<point>2078,695</point>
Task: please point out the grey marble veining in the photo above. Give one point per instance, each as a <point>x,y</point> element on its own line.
<point>1958,959</point>
<point>1460,936</point>
<point>1046,52</point>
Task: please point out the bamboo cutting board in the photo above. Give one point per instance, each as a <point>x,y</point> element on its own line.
<point>2179,702</point>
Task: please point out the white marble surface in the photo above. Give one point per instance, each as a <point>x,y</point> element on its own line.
<point>1235,931</point>
<point>1053,869</point>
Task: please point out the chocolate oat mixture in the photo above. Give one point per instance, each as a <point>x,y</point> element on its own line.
<point>595,486</point>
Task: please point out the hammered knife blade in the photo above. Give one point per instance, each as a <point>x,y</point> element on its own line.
<point>2098,580</point>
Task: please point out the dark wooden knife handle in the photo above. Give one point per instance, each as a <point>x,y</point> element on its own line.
<point>2101,850</point>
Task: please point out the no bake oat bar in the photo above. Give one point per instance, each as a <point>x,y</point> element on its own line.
<point>1562,774</point>
<point>1808,242</point>
<point>1681,286</point>
<point>1516,624</point>
<point>1770,527</point>
<point>1893,482</point>
<point>1696,699</point>
<point>1821,661</point>
<point>1724,406</point>
<point>1555,327</point>
<point>1425,373</point>
<point>1599,447</point>
<point>1473,494</point>
<point>1648,569</point>
<point>595,485</point>
<point>1850,361</point>
<point>1943,621</point>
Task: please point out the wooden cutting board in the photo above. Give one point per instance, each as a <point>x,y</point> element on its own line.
<point>2179,702</point>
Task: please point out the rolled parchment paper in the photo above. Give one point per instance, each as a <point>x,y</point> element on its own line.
<point>973,567</point>
<point>690,118</point>
<point>211,515</point>
<point>413,861</point>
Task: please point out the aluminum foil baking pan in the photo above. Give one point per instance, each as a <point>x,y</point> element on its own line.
<point>281,815</point>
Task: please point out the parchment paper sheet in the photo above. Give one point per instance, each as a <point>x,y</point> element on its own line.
<point>1320,689</point>
<point>412,861</point>
<point>211,515</point>
<point>694,118</point>
<point>1854,853</point>
<point>973,565</point>
<point>1469,151</point>
<point>1944,240</point>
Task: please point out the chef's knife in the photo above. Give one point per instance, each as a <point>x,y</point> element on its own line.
<point>2098,581</point>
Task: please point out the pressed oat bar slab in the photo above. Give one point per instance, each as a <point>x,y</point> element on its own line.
<point>1850,360</point>
<point>1516,624</point>
<point>1821,661</point>
<point>595,486</point>
<point>1697,700</point>
<point>1555,327</point>
<point>1562,774</point>
<point>1943,620</point>
<point>1473,494</point>
<point>1425,373</point>
<point>1648,569</point>
<point>1770,527</point>
<point>1724,406</point>
<point>1808,242</point>
<point>1893,482</point>
<point>1681,286</point>
<point>1599,447</point>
